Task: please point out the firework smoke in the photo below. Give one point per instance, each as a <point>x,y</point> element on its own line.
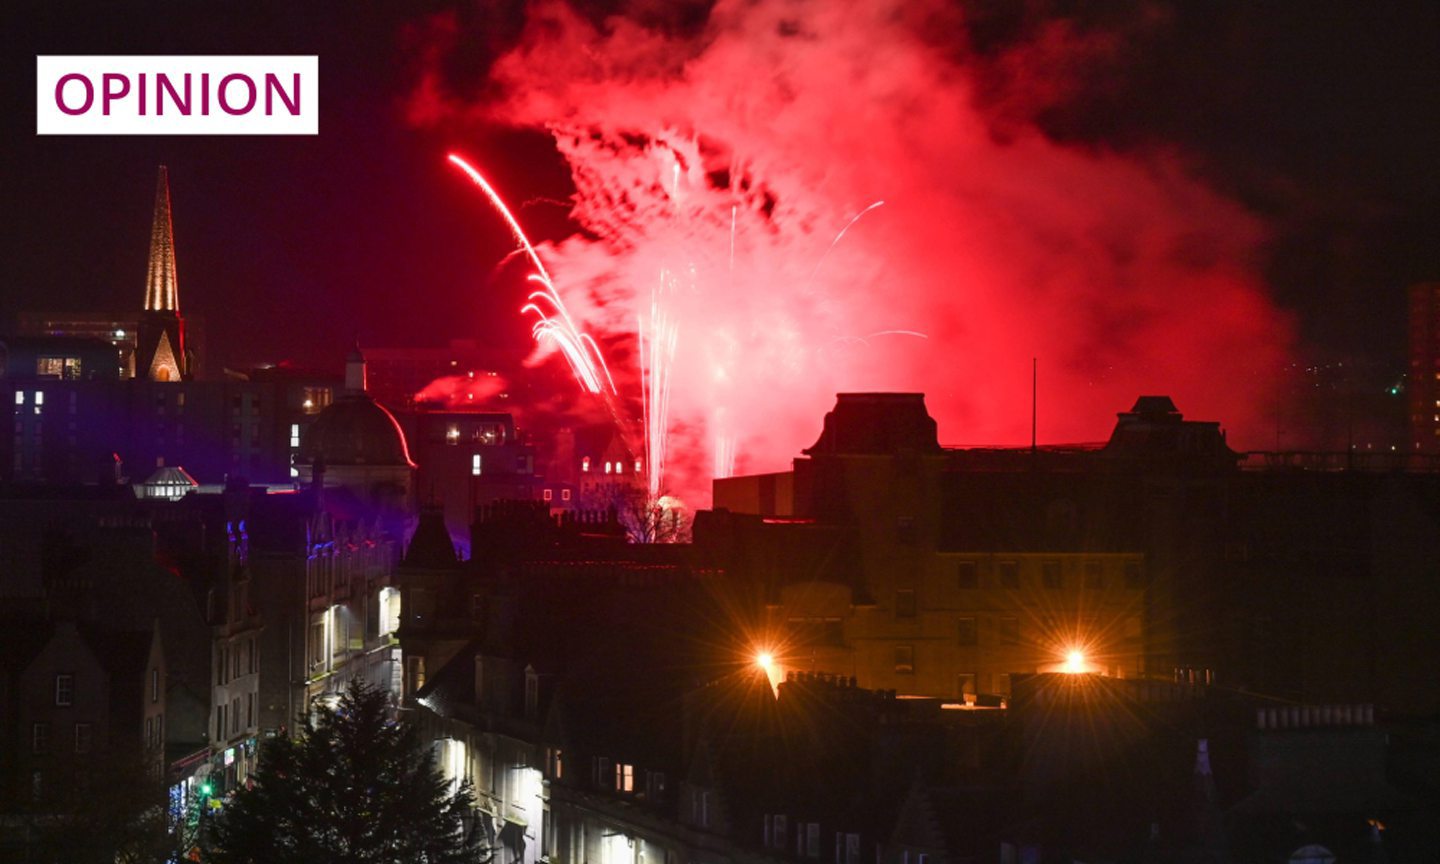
<point>743,157</point>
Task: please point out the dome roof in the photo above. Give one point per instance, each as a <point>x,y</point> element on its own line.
<point>355,430</point>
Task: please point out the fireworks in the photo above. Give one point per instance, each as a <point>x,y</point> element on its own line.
<point>553,322</point>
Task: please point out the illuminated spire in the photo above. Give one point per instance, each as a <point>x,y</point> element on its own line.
<point>161,289</point>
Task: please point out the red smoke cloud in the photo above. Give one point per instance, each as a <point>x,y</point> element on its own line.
<point>465,392</point>
<point>714,171</point>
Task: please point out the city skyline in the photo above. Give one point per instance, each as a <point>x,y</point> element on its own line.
<point>279,238</point>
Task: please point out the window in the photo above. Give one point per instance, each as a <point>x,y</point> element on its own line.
<point>254,660</point>
<point>1009,631</point>
<point>969,634</point>
<point>965,684</point>
<point>40,738</point>
<point>220,722</point>
<point>779,828</point>
<point>905,603</point>
<point>548,494</point>
<point>967,575</point>
<point>475,465</point>
<point>585,464</point>
<point>84,734</point>
<point>235,714</point>
<point>655,785</point>
<point>154,684</point>
<point>249,710</point>
<point>812,840</point>
<point>414,673</point>
<point>1094,576</point>
<point>564,494</point>
<point>1051,575</point>
<point>64,691</point>
<point>1009,574</point>
<point>532,696</point>
<point>624,777</point>
<point>905,658</point>
<point>554,762</point>
<point>1134,576</point>
<point>602,772</point>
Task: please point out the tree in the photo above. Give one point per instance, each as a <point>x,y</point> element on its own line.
<point>356,787</point>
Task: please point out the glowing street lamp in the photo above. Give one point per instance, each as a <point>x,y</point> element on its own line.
<point>1074,663</point>
<point>765,661</point>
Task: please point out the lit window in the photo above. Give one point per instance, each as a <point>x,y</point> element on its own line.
<point>607,467</point>
<point>624,777</point>
<point>294,435</point>
<point>20,398</point>
<point>637,466</point>
<point>584,463</point>
<point>548,494</point>
<point>475,465</point>
<point>564,494</point>
<point>39,397</point>
<point>905,658</point>
<point>452,435</point>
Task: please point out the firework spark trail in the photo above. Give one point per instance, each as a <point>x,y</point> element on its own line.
<point>580,350</point>
<point>655,369</point>
<point>841,236</point>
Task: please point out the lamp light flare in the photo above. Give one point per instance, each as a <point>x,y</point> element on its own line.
<point>1074,663</point>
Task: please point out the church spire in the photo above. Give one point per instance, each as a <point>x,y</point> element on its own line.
<point>160,349</point>
<point>161,289</point>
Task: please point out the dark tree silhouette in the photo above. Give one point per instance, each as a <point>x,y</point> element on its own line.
<point>356,787</point>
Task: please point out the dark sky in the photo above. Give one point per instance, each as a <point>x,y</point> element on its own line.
<point>1322,117</point>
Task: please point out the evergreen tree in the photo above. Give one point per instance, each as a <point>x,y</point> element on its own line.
<point>356,787</point>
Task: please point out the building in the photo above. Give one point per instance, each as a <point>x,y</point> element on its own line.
<point>1161,552</point>
<point>1423,381</point>
<point>82,415</point>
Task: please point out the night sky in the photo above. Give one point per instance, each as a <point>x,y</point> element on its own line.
<point>1320,118</point>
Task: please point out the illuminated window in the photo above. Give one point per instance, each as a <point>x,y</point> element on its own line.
<point>64,691</point>
<point>20,397</point>
<point>637,462</point>
<point>475,465</point>
<point>968,632</point>
<point>452,435</point>
<point>39,398</point>
<point>564,494</point>
<point>607,467</point>
<point>905,658</point>
<point>968,575</point>
<point>584,463</point>
<point>1009,574</point>
<point>905,603</point>
<point>548,494</point>
<point>624,777</point>
<point>295,436</point>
